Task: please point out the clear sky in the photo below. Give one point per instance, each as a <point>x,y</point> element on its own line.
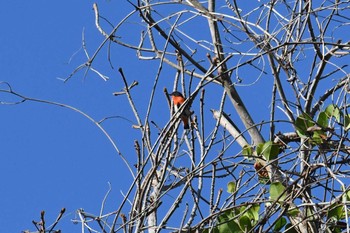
<point>52,157</point>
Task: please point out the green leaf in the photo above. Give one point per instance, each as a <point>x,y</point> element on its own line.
<point>213,230</point>
<point>228,227</point>
<point>347,122</point>
<point>280,223</point>
<point>333,111</point>
<point>318,137</point>
<point>247,151</point>
<point>348,195</point>
<point>226,224</point>
<point>302,123</point>
<point>254,211</point>
<point>270,150</point>
<point>337,212</point>
<point>245,224</point>
<point>293,212</point>
<point>336,230</point>
<point>276,190</point>
<point>344,197</point>
<point>259,148</point>
<point>323,119</point>
<point>291,230</point>
<point>231,187</point>
<point>240,209</point>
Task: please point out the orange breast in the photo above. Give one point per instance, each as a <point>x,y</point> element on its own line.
<point>178,100</point>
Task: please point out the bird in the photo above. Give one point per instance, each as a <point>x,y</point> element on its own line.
<point>178,100</point>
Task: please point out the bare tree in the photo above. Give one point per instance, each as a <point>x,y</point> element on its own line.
<point>284,171</point>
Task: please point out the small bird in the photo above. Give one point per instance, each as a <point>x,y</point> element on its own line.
<point>178,100</point>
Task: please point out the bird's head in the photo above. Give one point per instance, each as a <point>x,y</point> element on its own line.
<point>176,94</point>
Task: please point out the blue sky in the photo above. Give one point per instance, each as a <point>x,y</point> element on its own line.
<point>53,157</point>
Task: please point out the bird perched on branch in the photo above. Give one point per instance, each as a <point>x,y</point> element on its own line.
<point>178,100</point>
